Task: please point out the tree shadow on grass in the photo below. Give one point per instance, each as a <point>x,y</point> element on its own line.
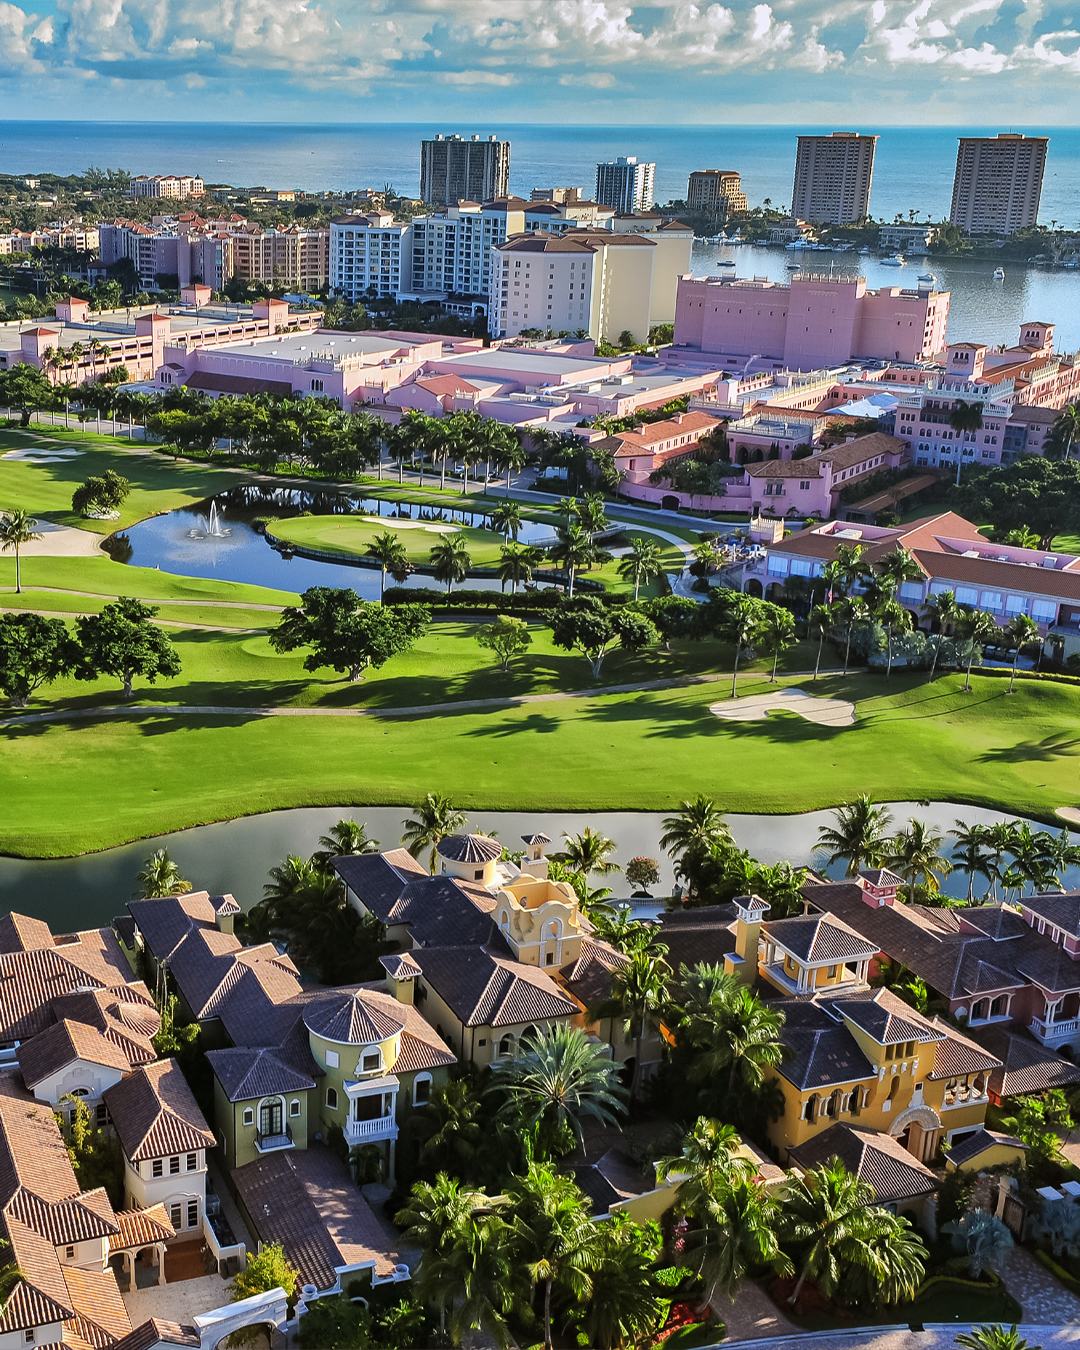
<point>538,723</point>
<point>1056,746</point>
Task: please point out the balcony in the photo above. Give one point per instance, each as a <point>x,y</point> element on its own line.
<point>1053,1033</point>
<point>370,1131</point>
<point>963,1096</point>
<point>270,1143</point>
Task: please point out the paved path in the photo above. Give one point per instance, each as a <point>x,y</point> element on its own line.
<point>1043,1298</point>
<point>752,1317</point>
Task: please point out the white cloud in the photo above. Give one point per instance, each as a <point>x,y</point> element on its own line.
<point>594,81</point>
<point>475,77</point>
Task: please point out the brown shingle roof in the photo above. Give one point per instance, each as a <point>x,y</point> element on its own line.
<point>353,1019</point>
<point>1026,1066</point>
<point>885,1017</point>
<point>306,1200</point>
<point>154,1332</point>
<point>958,1056</point>
<point>63,1043</point>
<point>483,989</point>
<point>249,1073</point>
<point>894,1173</point>
<point>588,979</point>
<point>155,1113</point>
<point>817,937</point>
<point>471,848</point>
<point>967,1150</point>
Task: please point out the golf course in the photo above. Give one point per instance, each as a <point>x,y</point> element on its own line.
<point>246,729</point>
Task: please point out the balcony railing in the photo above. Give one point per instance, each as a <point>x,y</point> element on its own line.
<point>368,1131</point>
<point>963,1097</point>
<point>1051,1032</point>
<point>267,1143</point>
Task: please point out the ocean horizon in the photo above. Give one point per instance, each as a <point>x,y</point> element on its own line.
<point>913,170</point>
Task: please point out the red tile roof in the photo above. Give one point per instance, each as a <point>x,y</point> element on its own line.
<point>155,1113</point>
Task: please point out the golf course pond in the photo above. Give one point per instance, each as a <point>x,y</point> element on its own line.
<point>235,856</point>
<point>222,539</point>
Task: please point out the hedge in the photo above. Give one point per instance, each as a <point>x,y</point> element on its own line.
<point>471,600</point>
<point>996,673</point>
<point>1059,1272</point>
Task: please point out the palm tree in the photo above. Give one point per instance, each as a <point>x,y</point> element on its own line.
<point>345,839</point>
<point>1022,631</point>
<point>589,851</point>
<point>895,1263</point>
<point>627,1303</point>
<point>287,878</point>
<point>852,611</point>
<point>993,1336</point>
<point>736,1233</point>
<point>850,564</point>
<point>16,529</point>
<point>1067,428</point>
<point>699,824</point>
<point>943,609</point>
<point>559,1077</point>
<point>859,837</point>
<point>966,416</point>
<point>889,612</point>
<point>574,549</point>
<point>741,625</point>
<point>916,852</point>
<point>708,1161</point>
<point>392,556</point>
<point>643,562</point>
<point>741,1035</point>
<point>512,458</point>
<point>516,565</point>
<point>637,995</point>
<point>821,620</point>
<point>434,818</point>
<point>506,518</point>
<point>481,1279</point>
<point>592,514</point>
<point>969,855</point>
<point>825,1214</point>
<point>554,1235</point>
<point>449,1127</point>
<point>979,629</point>
<point>1062,853</point>
<point>161,877</point>
<point>776,634</point>
<point>450,560</point>
<point>1000,839</point>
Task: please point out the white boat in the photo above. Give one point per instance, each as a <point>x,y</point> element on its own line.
<point>727,262</point>
<point>863,252</point>
<point>794,267</point>
<point>928,276</point>
<point>999,274</point>
<point>897,260</point>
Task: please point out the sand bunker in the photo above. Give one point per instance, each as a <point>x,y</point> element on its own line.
<point>431,526</point>
<point>826,712</point>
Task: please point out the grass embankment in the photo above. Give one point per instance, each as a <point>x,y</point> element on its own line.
<point>643,751</point>
<point>157,484</point>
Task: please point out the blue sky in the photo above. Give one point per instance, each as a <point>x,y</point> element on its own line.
<point>893,62</point>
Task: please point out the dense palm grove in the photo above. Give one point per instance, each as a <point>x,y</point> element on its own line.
<point>485,1187</point>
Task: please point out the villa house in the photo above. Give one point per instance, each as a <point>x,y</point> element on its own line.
<point>812,486</point>
<point>902,1184</point>
<point>165,1139</point>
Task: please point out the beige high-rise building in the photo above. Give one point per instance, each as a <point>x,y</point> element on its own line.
<point>998,183</point>
<point>287,256</point>
<point>833,175</point>
<point>718,191</point>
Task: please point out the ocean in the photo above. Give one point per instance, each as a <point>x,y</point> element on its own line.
<point>914,168</point>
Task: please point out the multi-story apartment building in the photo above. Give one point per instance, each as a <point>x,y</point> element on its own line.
<point>453,169</point>
<point>627,184</point>
<point>998,183</point>
<point>166,185</point>
<point>369,254</point>
<point>287,256</point>
<point>717,191</point>
<point>833,177</point>
<point>811,322</point>
<point>604,282</point>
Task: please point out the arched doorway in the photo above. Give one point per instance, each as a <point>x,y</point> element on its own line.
<point>753,588</point>
<point>919,1130</point>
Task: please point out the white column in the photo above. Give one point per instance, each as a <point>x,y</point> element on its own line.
<point>161,1262</point>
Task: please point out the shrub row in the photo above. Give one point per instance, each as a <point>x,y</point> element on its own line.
<point>1059,1272</point>
<point>502,602</point>
<point>1051,677</point>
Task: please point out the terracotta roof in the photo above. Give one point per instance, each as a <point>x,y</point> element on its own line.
<point>544,243</point>
<point>377,879</point>
<point>885,1017</point>
<point>249,1073</point>
<point>822,1053</point>
<point>884,1162</point>
<point>665,431</point>
<point>41,1296</point>
<point>1026,1066</point>
<point>1006,576</point>
<point>18,933</point>
<point>588,979</point>
<point>483,989</point>
<point>100,1316</point>
<point>817,937</point>
<point>958,1056</point>
<point>63,1043</point>
<point>441,385</point>
<point>125,1016</point>
<point>810,467</point>
<point>306,1200</point>
<point>155,1113</point>
<point>141,1228</point>
<point>352,1019</point>
<point>154,1332</point>
<point>967,1150</point>
<point>471,848</point>
<point>78,1218</point>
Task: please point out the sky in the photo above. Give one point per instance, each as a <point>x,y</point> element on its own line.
<point>885,62</point>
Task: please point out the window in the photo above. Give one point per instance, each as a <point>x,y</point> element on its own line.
<point>157,1168</point>
<point>331,1098</point>
<point>294,1107</point>
<point>193,1214</point>
<point>331,1059</point>
<point>28,1336</point>
<point>831,973</point>
<point>176,1215</point>
<point>804,485</point>
<point>102,1115</point>
<point>1043,611</point>
<point>69,1253</point>
<point>422,1091</point>
<point>191,1162</point>
<point>372,1062</point>
<point>249,1115</point>
<point>174,1166</point>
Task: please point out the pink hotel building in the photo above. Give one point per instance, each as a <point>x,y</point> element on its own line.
<point>812,322</point>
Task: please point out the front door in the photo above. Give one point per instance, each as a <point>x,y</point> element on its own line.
<point>271,1119</point>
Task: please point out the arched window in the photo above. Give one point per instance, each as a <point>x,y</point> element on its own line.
<point>811,1107</point>
<point>371,1060</point>
<point>331,1098</point>
<point>421,1089</point>
<point>894,1090</point>
<point>506,1046</point>
<point>294,1107</point>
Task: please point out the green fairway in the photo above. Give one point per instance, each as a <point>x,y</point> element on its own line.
<point>102,576</point>
<point>644,751</point>
<point>157,484</point>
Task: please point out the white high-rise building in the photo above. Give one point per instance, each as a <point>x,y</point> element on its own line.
<point>626,184</point>
<point>998,183</point>
<point>369,253</point>
<point>833,176</point>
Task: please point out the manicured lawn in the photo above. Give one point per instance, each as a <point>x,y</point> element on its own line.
<point>101,576</point>
<point>644,751</point>
<point>157,484</point>
<point>944,1301</point>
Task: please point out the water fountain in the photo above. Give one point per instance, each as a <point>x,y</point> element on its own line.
<point>212,527</point>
